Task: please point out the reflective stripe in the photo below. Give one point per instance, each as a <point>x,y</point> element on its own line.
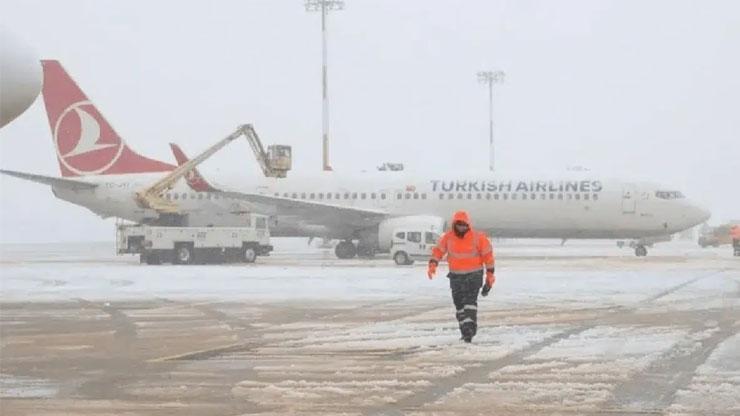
<point>467,320</point>
<point>470,307</point>
<point>484,252</point>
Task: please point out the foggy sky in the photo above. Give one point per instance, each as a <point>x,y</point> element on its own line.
<point>631,89</point>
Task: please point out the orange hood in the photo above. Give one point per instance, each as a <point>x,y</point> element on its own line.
<point>461,216</point>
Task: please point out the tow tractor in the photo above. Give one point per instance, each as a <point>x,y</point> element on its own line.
<point>409,245</point>
<point>168,238</point>
<point>195,245</point>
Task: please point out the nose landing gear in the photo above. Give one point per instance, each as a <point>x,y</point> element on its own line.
<point>640,250</point>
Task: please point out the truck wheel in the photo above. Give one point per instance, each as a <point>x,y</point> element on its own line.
<point>183,254</point>
<point>401,258</point>
<point>249,254</point>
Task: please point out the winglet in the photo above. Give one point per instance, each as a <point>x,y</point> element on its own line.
<point>194,179</point>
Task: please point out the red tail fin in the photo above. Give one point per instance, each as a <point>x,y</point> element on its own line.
<point>85,143</point>
<point>194,178</point>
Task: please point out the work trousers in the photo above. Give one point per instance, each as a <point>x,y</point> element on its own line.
<point>465,289</point>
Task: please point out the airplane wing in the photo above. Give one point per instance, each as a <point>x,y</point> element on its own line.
<point>318,212</point>
<point>72,184</point>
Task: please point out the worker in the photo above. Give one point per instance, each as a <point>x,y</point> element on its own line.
<point>735,234</point>
<point>468,253</point>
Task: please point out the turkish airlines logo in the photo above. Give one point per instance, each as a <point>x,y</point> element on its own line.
<point>83,145</point>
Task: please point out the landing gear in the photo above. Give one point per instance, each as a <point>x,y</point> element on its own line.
<point>366,252</point>
<point>345,250</point>
<point>640,250</point>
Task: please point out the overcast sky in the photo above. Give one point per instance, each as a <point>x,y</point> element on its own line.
<point>639,89</point>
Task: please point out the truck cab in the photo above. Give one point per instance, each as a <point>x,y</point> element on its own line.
<point>410,244</point>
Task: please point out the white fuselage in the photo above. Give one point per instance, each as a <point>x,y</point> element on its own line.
<point>507,206</point>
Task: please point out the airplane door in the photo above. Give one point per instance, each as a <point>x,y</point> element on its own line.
<point>629,199</point>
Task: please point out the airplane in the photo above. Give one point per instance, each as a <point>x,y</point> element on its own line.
<point>100,172</point>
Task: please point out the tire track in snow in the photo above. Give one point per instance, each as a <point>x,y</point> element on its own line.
<point>478,372</point>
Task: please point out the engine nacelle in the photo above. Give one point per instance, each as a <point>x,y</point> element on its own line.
<point>20,81</point>
<point>420,222</point>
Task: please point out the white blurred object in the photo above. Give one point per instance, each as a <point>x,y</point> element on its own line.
<point>20,77</point>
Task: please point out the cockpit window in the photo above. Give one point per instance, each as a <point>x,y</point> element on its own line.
<point>669,194</point>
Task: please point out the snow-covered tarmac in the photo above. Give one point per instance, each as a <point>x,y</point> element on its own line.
<point>581,329</point>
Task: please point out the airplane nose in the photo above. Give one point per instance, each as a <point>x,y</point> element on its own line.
<point>700,214</point>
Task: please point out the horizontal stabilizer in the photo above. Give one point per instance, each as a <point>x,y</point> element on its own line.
<point>49,180</point>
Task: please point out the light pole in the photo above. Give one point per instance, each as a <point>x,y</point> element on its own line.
<point>324,6</point>
<point>490,78</point>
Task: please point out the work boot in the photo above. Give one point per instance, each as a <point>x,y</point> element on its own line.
<point>468,339</point>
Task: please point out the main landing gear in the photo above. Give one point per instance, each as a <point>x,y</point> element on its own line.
<point>345,250</point>
<point>348,250</point>
<point>639,247</point>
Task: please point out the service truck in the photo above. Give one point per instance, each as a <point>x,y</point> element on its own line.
<point>195,245</point>
<point>409,245</point>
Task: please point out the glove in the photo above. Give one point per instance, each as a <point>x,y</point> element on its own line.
<point>432,269</point>
<point>490,280</point>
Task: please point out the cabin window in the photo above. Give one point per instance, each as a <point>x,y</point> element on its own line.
<point>373,195</point>
<point>488,196</point>
<point>569,196</point>
<point>399,196</point>
<point>363,195</point>
<point>478,196</point>
<point>328,195</point>
<point>200,196</point>
<point>669,194</point>
<point>524,196</point>
<point>320,195</point>
<point>416,196</point>
<point>495,196</point>
<point>295,195</point>
<point>424,196</point>
<point>401,235</point>
<point>596,197</point>
<point>337,196</point>
<point>586,197</point>
<point>303,195</point>
<point>552,196</point>
<point>277,194</point>
<point>542,196</point>
<point>470,196</point>
<point>311,195</point>
<point>577,196</point>
<point>354,195</point>
<point>382,196</point>
<point>441,196</point>
<point>513,196</point>
<point>505,196</point>
<point>408,195</point>
<point>450,196</point>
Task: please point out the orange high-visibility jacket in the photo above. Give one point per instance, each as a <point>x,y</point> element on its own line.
<point>735,232</point>
<point>467,254</point>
